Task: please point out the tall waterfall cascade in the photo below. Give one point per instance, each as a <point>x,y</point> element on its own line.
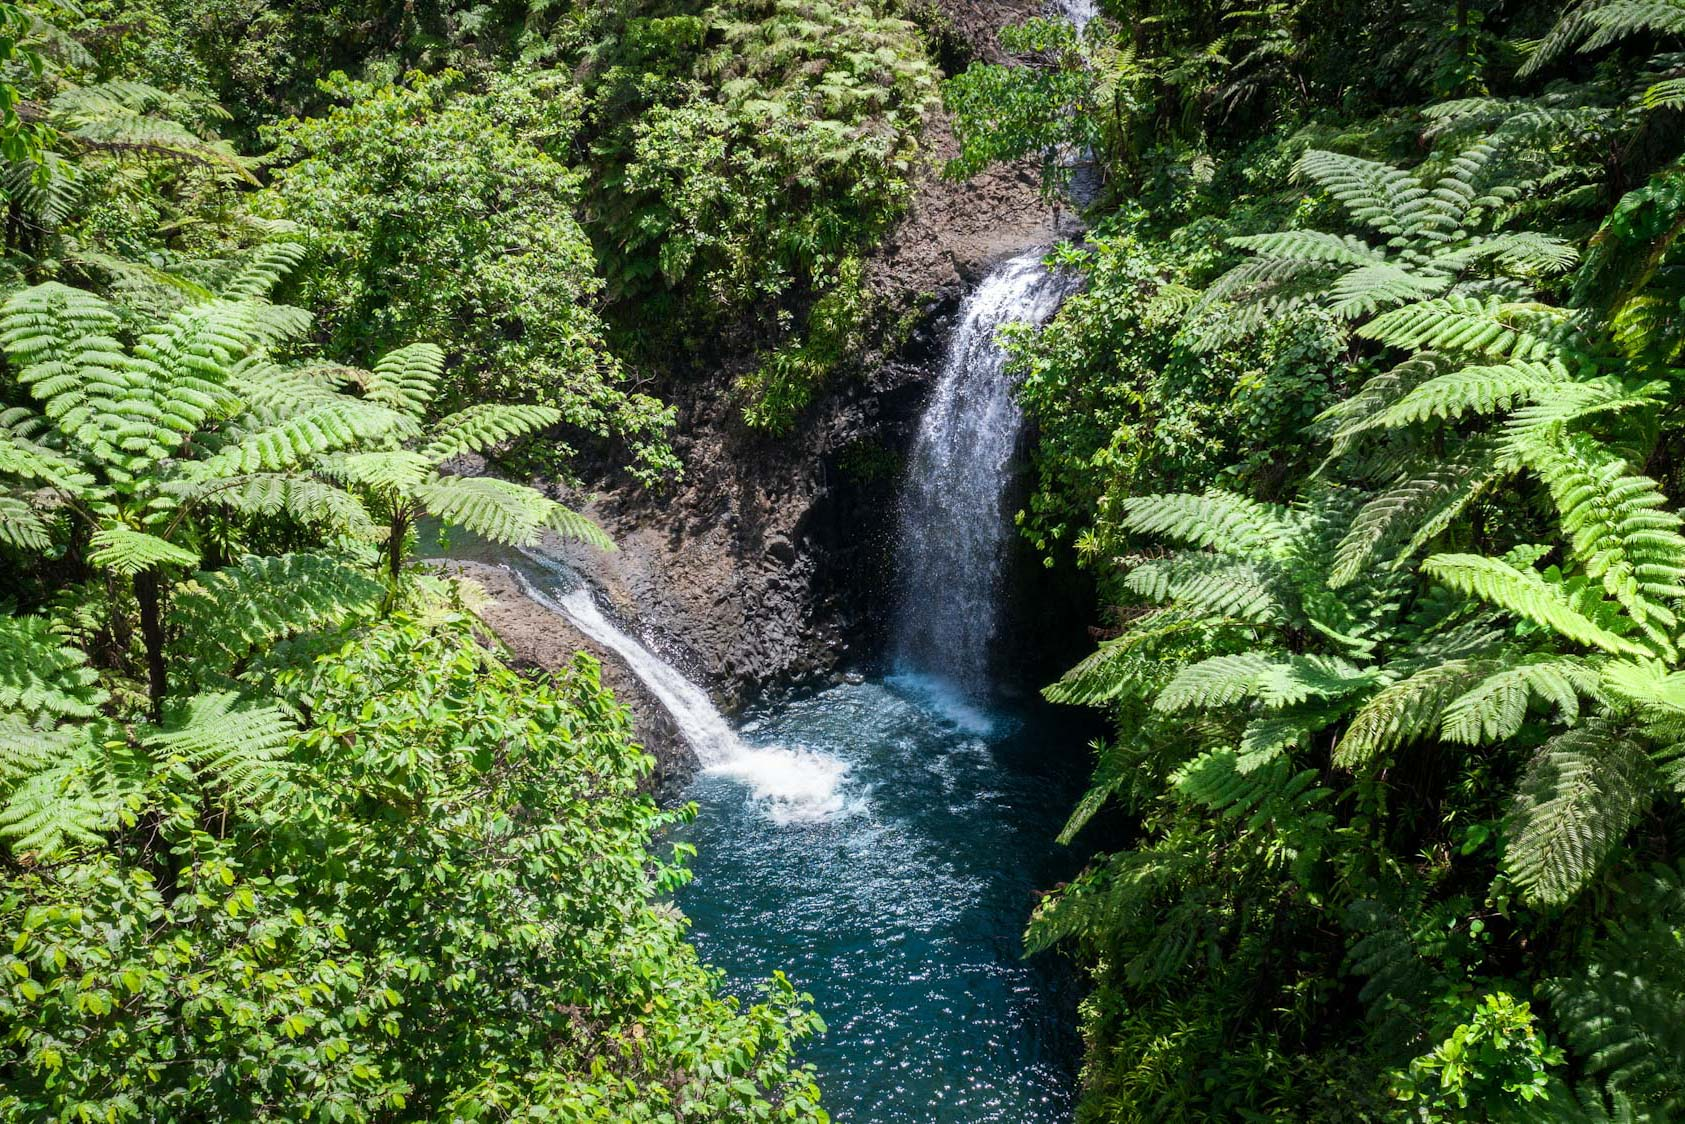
<point>954,523</point>
<point>795,784</point>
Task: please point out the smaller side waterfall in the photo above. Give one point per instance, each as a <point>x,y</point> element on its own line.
<point>796,785</point>
<point>953,518</point>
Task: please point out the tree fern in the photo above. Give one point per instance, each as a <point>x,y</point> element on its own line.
<point>221,618</point>
<point>1526,594</point>
<point>1211,584</point>
<point>1405,711</point>
<point>43,679</point>
<point>1582,792</point>
<point>1274,680</point>
<point>238,745</point>
<point>1619,530</point>
<point>1222,521</point>
<point>496,509</point>
<point>485,425</point>
<point>1494,709</point>
<point>1621,1011</point>
<point>407,379</point>
<point>125,551</point>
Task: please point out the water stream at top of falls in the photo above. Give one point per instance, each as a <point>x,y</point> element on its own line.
<point>954,527</point>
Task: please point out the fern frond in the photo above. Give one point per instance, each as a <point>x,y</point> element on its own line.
<point>502,511</point>
<point>406,379</point>
<point>1405,712</point>
<point>1375,194</point>
<point>1223,521</point>
<point>125,551</point>
<point>1583,791</point>
<point>1275,680</point>
<point>1620,529</point>
<point>1210,584</point>
<point>1110,671</point>
<point>480,427</point>
<point>1360,412</point>
<point>1311,246</point>
<point>1494,709</point>
<point>1466,324</point>
<point>1525,594</point>
<point>262,270</point>
<point>241,745</point>
<point>1518,251</point>
<point>66,788</point>
<point>221,618</point>
<point>1615,20</point>
<point>22,527</point>
<point>329,427</point>
<point>42,678</point>
<point>1364,291</point>
<point>303,498</point>
<point>1620,1011</point>
<point>1484,389</point>
<point>396,469</point>
<point>1271,795</point>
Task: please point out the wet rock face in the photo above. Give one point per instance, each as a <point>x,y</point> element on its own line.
<point>767,567</point>
<point>770,564</point>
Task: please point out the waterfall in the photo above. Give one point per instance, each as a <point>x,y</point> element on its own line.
<point>1078,12</point>
<point>953,516</point>
<point>796,785</point>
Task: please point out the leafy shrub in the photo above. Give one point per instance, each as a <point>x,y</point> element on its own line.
<point>445,908</point>
<point>433,212</point>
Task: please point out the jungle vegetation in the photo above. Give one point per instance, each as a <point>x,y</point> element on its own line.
<point>1363,426</point>
<point>1366,426</point>
<point>282,835</point>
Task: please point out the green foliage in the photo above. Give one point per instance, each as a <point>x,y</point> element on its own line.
<point>752,168</point>
<point>437,212</point>
<point>1492,1066</point>
<point>1397,715</point>
<point>370,943</point>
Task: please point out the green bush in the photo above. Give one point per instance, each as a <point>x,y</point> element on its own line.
<point>446,908</point>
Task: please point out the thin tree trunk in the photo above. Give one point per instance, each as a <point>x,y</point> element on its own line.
<point>395,557</point>
<point>149,592</point>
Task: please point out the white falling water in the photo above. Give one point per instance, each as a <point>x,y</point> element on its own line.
<point>1078,12</point>
<point>796,785</point>
<point>954,526</point>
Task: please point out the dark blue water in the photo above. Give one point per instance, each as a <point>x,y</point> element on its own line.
<point>890,871</point>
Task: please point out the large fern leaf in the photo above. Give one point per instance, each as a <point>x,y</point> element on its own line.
<point>1223,521</point>
<point>1527,595</point>
<point>1583,791</point>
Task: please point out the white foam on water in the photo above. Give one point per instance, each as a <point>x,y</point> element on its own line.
<point>796,785</point>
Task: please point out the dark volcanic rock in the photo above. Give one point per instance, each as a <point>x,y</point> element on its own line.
<point>770,563</point>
